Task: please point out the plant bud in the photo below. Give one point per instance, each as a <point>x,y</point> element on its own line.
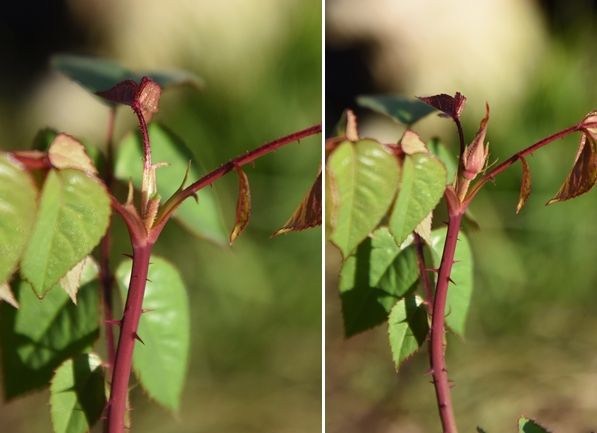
<point>475,154</point>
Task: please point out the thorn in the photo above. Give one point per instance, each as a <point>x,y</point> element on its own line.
<point>138,338</point>
<point>451,280</point>
<point>148,280</point>
<point>113,322</point>
<point>130,256</point>
<point>147,310</point>
<point>434,270</point>
<point>150,263</point>
<point>456,261</point>
<point>196,197</point>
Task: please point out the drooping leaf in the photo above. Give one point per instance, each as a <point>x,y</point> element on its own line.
<point>161,362</point>
<point>365,178</point>
<point>407,328</point>
<point>451,106</point>
<point>66,152</point>
<point>422,185</point>
<point>583,175</point>
<point>73,215</point>
<point>309,212</point>
<point>243,205</point>
<point>203,218</point>
<point>41,334</point>
<point>404,110</point>
<point>525,186</point>
<point>445,156</point>
<point>365,305</point>
<point>6,295</point>
<point>95,74</point>
<point>526,425</point>
<point>461,290</point>
<point>17,212</point>
<point>77,394</point>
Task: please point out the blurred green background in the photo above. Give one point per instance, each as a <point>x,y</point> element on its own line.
<point>255,361</point>
<point>531,342</point>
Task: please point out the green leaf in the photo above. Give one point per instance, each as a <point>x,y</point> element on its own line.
<point>17,212</point>
<point>96,74</point>
<point>364,180</point>
<point>404,110</point>
<point>365,305</point>
<point>445,156</point>
<point>77,394</point>
<point>202,219</point>
<point>422,185</point>
<point>41,334</point>
<point>160,363</point>
<point>73,215</point>
<point>526,425</point>
<point>384,251</point>
<point>460,292</point>
<point>407,328</point>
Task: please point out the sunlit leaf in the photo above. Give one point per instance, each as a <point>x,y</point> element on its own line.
<point>461,290</point>
<point>66,152</point>
<point>308,214</point>
<point>583,175</point>
<point>526,425</point>
<point>384,250</point>
<point>77,394</point>
<point>451,106</point>
<point>161,362</point>
<point>18,198</point>
<point>404,110</point>
<point>73,215</point>
<point>365,179</point>
<point>41,334</point>
<point>203,218</point>
<point>422,185</point>
<point>407,328</point>
<point>243,205</point>
<point>525,186</point>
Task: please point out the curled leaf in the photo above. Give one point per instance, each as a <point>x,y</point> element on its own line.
<point>590,124</point>
<point>7,295</point>
<point>451,106</point>
<point>583,175</point>
<point>412,143</point>
<point>243,205</point>
<point>308,214</point>
<point>525,185</point>
<point>66,152</point>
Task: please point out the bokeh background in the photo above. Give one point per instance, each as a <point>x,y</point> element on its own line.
<point>255,361</point>
<point>531,345</point>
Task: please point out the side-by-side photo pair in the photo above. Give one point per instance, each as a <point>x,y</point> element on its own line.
<point>298,217</point>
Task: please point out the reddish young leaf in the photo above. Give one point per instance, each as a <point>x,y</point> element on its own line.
<point>525,186</point>
<point>66,152</point>
<point>243,205</point>
<point>583,175</point>
<point>308,214</point>
<point>122,93</point>
<point>451,106</point>
<point>148,97</point>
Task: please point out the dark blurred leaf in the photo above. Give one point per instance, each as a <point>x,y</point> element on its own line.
<point>77,394</point>
<point>204,218</point>
<point>39,336</point>
<point>44,138</point>
<point>309,212</point>
<point>526,425</point>
<point>122,92</point>
<point>161,362</point>
<point>18,202</point>
<point>421,187</point>
<point>583,175</point>
<point>404,110</point>
<point>364,180</point>
<point>73,215</point>
<point>461,290</point>
<point>451,106</point>
<point>525,185</point>
<point>407,328</point>
<point>480,430</point>
<point>243,205</point>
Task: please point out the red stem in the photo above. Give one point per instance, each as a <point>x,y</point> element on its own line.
<point>144,132</point>
<point>128,334</point>
<point>175,201</point>
<point>439,371</point>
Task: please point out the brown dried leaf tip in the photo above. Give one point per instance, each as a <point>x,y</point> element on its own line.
<point>525,186</point>
<point>450,106</point>
<point>475,154</point>
<point>308,214</point>
<point>243,205</point>
<point>66,152</point>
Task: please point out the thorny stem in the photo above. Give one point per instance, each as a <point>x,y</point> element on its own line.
<point>437,351</point>
<point>427,287</point>
<point>106,277</point>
